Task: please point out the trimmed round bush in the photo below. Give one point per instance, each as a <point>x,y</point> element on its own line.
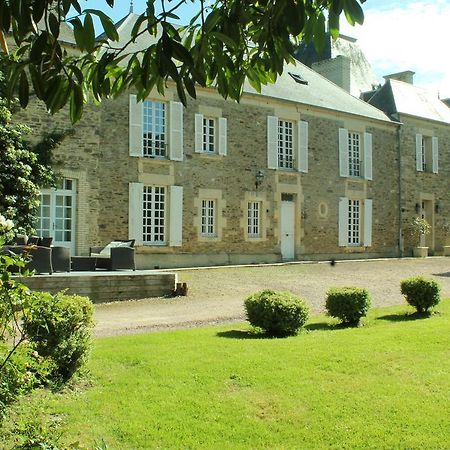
<point>348,304</point>
<point>60,327</point>
<point>420,292</point>
<point>277,313</point>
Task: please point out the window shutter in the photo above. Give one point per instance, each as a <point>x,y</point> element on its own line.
<point>135,212</point>
<point>176,216</point>
<point>176,131</point>
<point>367,223</point>
<point>435,153</point>
<point>343,222</point>
<point>343,152</point>
<point>419,167</point>
<point>199,133</point>
<point>368,156</point>
<point>135,126</point>
<point>303,146</point>
<point>222,136</point>
<point>272,142</point>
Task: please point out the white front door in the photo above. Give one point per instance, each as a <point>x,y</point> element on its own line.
<point>287,230</point>
<point>56,216</point>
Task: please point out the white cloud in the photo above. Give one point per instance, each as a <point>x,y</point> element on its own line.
<point>409,37</point>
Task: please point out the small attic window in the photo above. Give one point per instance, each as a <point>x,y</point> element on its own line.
<point>298,78</point>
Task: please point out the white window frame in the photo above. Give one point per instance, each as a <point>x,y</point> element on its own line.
<point>208,218</point>
<point>209,133</point>
<point>286,144</point>
<point>354,223</point>
<point>154,116</point>
<point>154,209</point>
<point>354,154</point>
<point>254,219</point>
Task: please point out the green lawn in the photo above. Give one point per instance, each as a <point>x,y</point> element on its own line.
<point>385,385</point>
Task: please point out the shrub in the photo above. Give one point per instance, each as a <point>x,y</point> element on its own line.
<point>60,327</point>
<point>348,304</point>
<point>278,313</point>
<point>420,292</point>
<point>23,371</point>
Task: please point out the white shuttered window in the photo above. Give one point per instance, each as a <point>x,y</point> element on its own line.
<point>155,129</point>
<point>355,222</point>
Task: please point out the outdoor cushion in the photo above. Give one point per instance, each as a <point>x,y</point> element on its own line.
<point>106,251</point>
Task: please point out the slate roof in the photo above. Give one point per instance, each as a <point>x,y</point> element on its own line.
<point>398,97</point>
<point>318,91</point>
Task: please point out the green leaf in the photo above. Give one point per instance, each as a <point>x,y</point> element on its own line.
<point>353,10</point>
<point>181,53</point>
<point>37,48</point>
<point>24,89</point>
<point>319,33</point>
<point>53,24</point>
<point>76,103</point>
<point>89,33</point>
<point>107,24</point>
<point>227,40</point>
<point>333,24</point>
<point>190,87</point>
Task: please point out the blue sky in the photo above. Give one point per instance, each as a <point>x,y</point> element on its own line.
<point>397,35</point>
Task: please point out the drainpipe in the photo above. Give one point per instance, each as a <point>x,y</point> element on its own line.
<point>400,192</point>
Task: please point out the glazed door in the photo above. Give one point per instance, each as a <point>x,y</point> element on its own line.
<point>57,214</point>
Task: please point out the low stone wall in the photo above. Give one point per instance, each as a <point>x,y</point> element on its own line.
<point>102,287</point>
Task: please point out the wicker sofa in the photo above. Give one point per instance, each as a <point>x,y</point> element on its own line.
<point>118,254</point>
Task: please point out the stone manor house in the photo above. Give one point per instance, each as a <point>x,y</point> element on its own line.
<point>303,170</point>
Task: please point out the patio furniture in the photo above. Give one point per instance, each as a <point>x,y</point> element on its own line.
<point>116,255</point>
<point>61,259</point>
<point>83,263</point>
<point>40,258</point>
<point>45,241</point>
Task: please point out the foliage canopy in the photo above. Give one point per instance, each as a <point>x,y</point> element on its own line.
<point>222,45</point>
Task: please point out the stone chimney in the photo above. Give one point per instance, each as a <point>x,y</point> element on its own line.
<point>336,70</point>
<point>407,76</point>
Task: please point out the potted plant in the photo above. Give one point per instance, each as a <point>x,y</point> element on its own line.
<point>419,228</point>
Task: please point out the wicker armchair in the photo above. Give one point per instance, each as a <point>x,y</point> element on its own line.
<point>111,257</point>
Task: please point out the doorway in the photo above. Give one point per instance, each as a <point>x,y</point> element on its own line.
<point>287,230</point>
<point>56,217</point>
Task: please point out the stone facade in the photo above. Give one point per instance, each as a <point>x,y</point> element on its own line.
<point>97,157</point>
<point>425,193</point>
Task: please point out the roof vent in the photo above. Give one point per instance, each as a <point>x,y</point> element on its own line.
<point>298,78</point>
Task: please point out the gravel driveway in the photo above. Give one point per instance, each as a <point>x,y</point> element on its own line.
<point>216,294</point>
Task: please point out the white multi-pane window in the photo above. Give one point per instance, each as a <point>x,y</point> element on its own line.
<point>209,135</point>
<point>423,153</point>
<point>285,144</point>
<point>426,153</point>
<point>154,129</point>
<point>254,219</point>
<point>209,218</point>
<point>354,154</point>
<point>154,220</point>
<point>354,222</point>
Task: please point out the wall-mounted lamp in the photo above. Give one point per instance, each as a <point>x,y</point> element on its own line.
<point>437,208</point>
<point>259,178</point>
<point>417,208</point>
